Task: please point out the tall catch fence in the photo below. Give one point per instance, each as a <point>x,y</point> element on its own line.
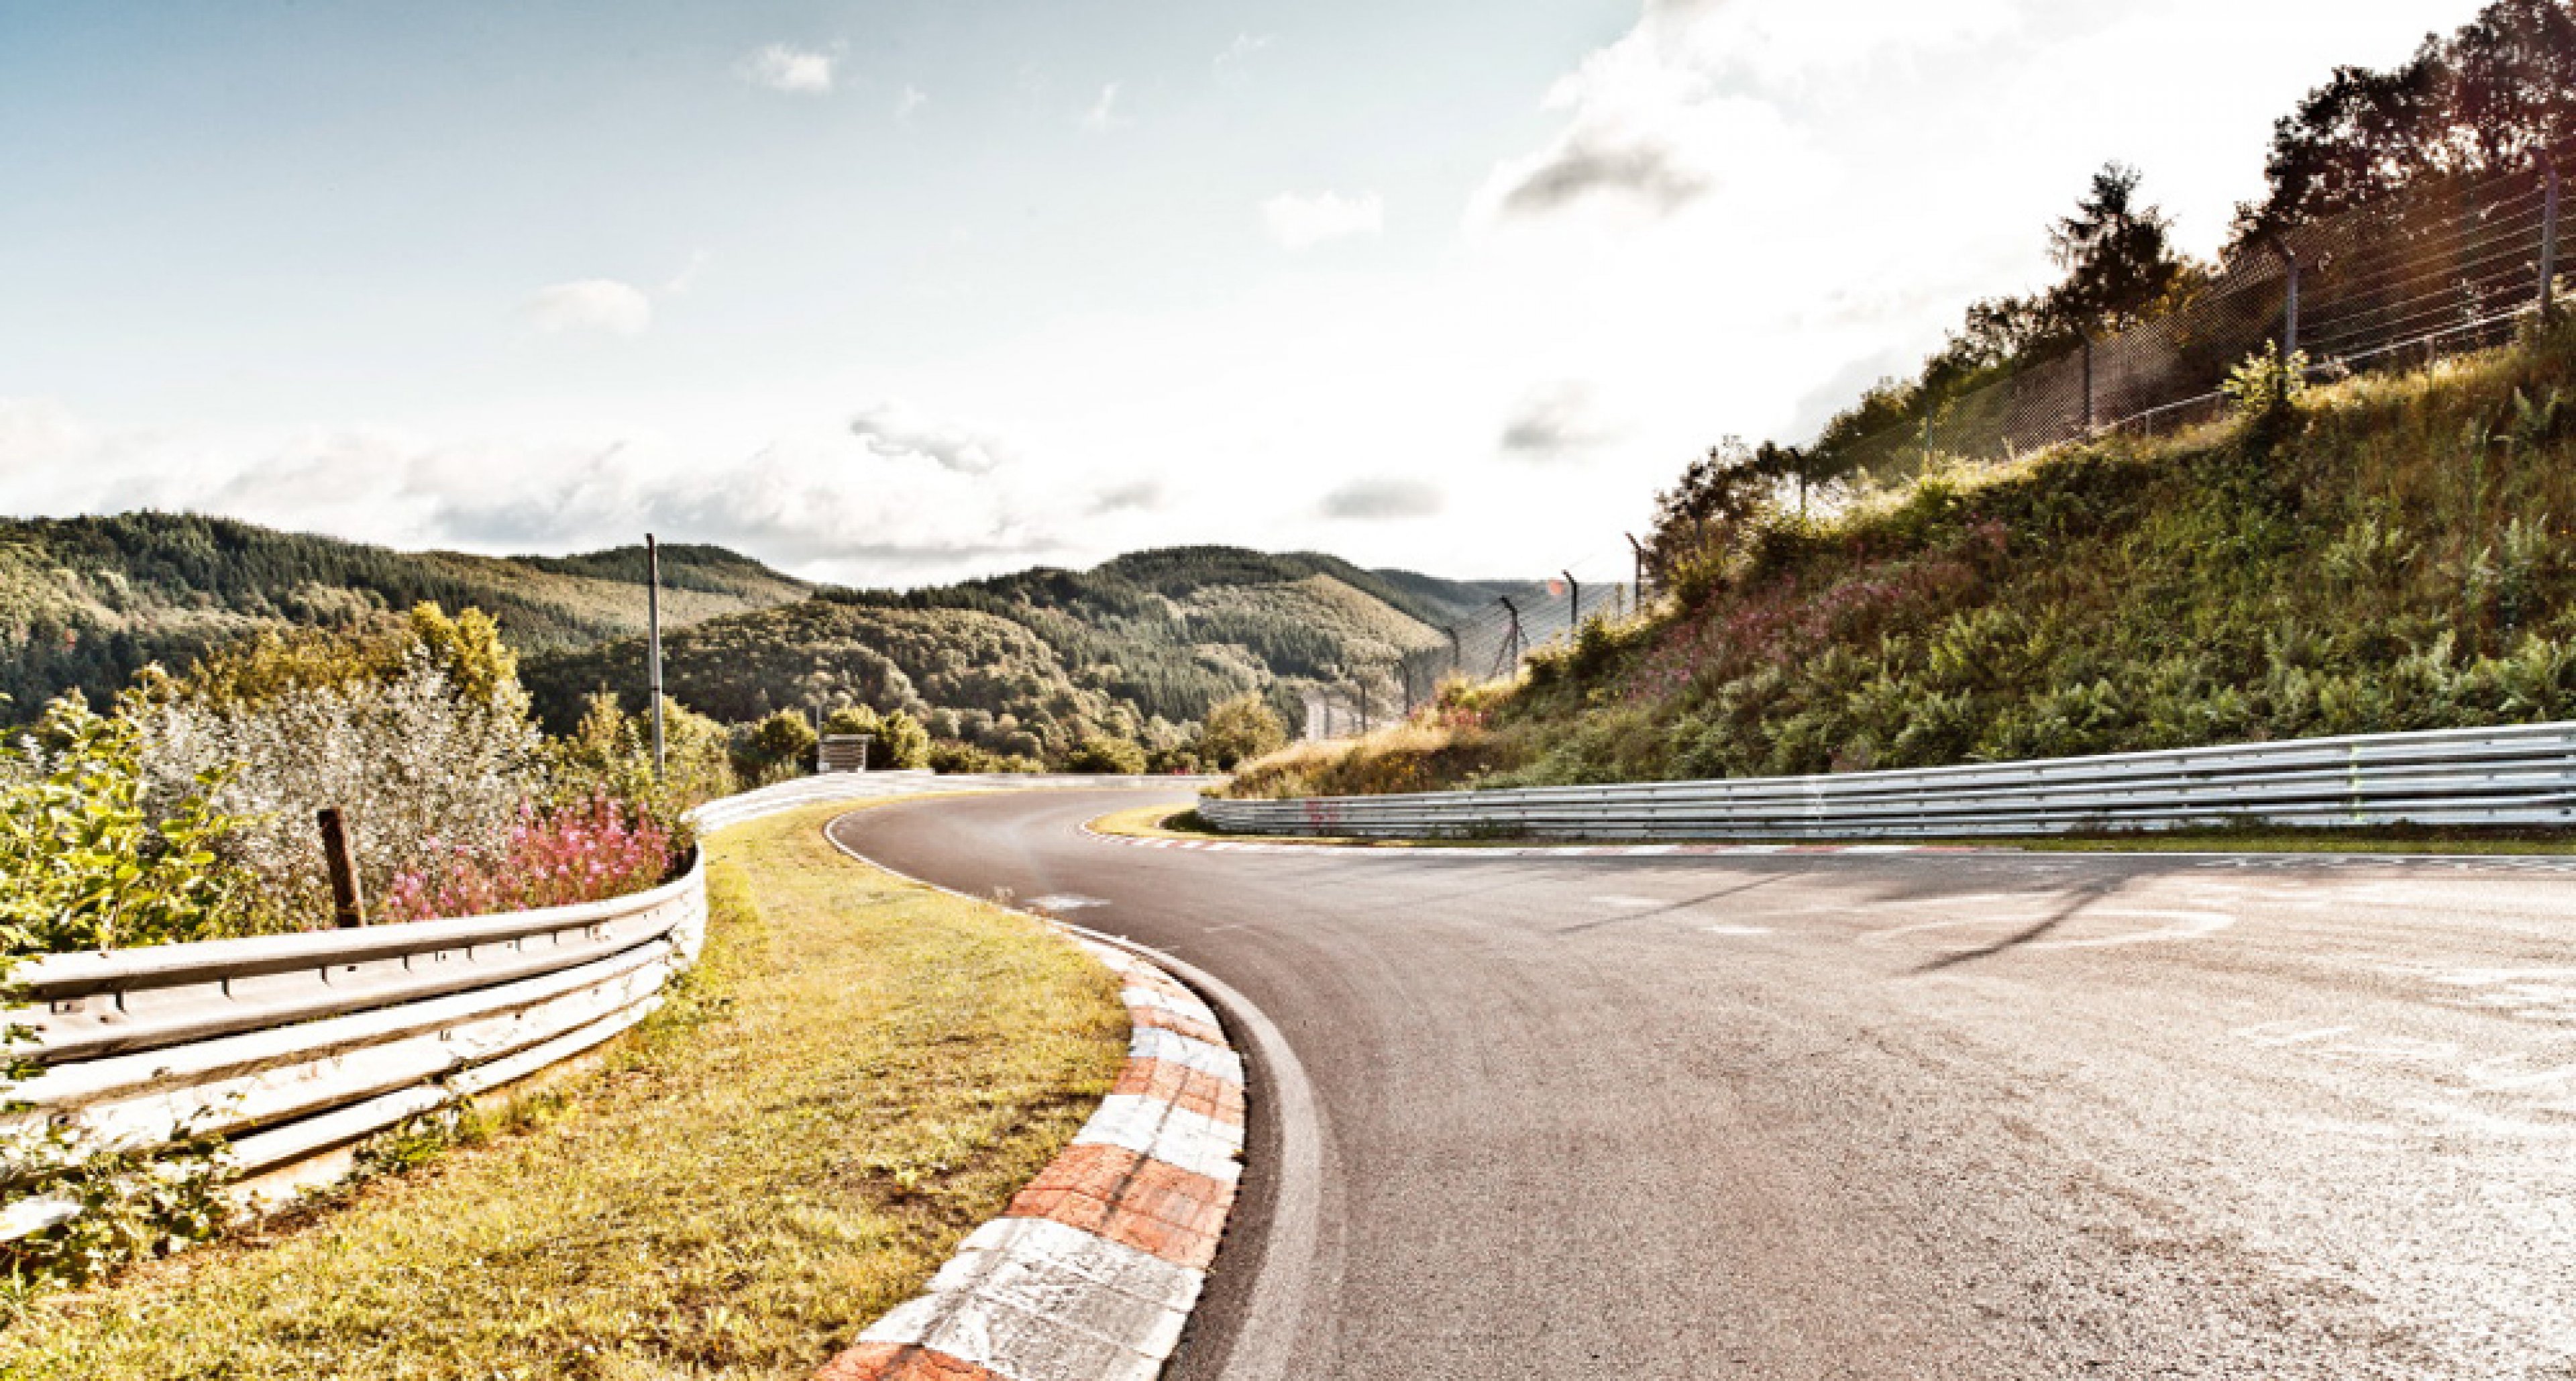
<point>2440,269</point>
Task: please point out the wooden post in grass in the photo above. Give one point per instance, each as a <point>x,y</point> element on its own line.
<point>348,906</point>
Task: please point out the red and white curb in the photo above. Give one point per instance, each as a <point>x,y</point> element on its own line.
<point>1092,1271</point>
<point>1252,846</point>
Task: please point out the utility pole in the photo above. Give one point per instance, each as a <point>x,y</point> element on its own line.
<point>1574,609</point>
<point>653,642</point>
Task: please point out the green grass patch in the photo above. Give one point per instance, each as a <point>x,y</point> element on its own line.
<point>859,1072</point>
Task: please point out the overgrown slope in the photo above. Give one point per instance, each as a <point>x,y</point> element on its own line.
<point>86,601</point>
<point>2394,553</point>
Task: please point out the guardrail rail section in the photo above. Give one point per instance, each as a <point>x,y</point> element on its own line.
<point>288,1046</point>
<point>292,1046</point>
<point>2512,776</point>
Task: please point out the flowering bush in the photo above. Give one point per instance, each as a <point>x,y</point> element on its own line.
<point>556,857</point>
<point>407,756</point>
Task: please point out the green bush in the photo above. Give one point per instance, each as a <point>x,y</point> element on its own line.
<point>1097,754</point>
<point>87,862</point>
<point>902,744</point>
<point>948,757</point>
<point>774,749</point>
<point>1239,730</point>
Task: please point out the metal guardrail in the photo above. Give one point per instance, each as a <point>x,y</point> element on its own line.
<point>2515,776</point>
<point>288,1046</point>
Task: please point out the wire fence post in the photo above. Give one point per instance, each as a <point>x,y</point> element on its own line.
<point>1639,548</point>
<point>1573,610</point>
<point>2088,407</point>
<point>2549,240</point>
<point>1457,649</point>
<point>2290,306</point>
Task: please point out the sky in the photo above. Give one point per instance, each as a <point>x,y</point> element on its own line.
<point>889,293</point>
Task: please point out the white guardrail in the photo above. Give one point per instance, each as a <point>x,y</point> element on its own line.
<point>2516,776</point>
<point>290,1046</point>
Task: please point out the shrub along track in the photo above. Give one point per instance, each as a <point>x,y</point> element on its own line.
<point>859,1073</point>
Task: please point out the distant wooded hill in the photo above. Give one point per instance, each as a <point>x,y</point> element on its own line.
<point>85,602</point>
<point>1032,662</point>
<point>1024,663</point>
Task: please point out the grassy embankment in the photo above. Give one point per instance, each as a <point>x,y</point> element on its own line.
<point>2399,554</point>
<point>859,1072</point>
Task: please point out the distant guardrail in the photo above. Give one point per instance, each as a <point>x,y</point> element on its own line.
<point>290,1046</point>
<point>2516,776</point>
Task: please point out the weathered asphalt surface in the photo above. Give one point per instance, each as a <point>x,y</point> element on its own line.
<point>1866,1116</point>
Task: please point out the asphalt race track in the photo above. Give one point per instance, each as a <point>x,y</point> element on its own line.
<point>1989,1115</point>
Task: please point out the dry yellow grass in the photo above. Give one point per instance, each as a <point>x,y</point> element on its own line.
<point>860,1072</point>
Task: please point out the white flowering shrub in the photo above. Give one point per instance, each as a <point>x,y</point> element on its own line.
<point>419,770</point>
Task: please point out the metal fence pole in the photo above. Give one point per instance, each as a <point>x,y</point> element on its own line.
<point>2549,241</point>
<point>1574,611</point>
<point>653,642</point>
<point>2290,308</point>
<point>2088,387</point>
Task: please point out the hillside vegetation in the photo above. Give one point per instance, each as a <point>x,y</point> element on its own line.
<point>2388,553</point>
<point>1034,663</point>
<point>85,602</point>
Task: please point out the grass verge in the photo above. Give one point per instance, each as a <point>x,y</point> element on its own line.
<point>859,1072</point>
<point>1166,822</point>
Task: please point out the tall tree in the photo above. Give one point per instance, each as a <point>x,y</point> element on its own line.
<point>2483,100</point>
<point>2118,257</point>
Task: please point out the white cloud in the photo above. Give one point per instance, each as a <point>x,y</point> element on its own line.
<point>590,304</point>
<point>910,103</point>
<point>1104,114</point>
<point>1561,421</point>
<point>1301,222</point>
<point>897,431</point>
<point>679,283</point>
<point>780,67</point>
<point>1383,500</point>
<point>1244,46</point>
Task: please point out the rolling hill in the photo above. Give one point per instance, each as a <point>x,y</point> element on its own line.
<point>1026,663</point>
<point>84,602</point>
<point>1031,662</point>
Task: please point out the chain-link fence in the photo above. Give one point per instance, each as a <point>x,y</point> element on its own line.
<point>2441,268</point>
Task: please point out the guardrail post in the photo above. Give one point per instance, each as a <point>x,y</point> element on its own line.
<point>348,906</point>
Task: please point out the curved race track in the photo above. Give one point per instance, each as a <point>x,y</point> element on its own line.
<point>1991,1115</point>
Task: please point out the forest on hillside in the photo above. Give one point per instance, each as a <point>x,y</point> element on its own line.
<point>1033,663</point>
<point>87,602</point>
